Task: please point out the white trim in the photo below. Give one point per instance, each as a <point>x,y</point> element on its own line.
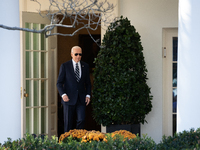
<point>168,33</point>
<point>38,21</point>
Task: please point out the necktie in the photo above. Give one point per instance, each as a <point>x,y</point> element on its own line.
<point>77,73</point>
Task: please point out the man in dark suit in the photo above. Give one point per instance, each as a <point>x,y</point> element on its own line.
<point>74,87</point>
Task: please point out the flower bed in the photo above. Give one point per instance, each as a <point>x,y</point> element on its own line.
<point>113,141</point>
<point>88,136</point>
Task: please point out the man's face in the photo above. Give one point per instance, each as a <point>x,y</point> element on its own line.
<point>75,55</point>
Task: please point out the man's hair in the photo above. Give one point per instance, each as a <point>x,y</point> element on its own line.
<point>75,47</point>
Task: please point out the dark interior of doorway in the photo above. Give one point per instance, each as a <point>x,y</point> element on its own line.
<point>90,50</point>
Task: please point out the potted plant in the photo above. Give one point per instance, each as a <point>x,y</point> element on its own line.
<point>121,95</point>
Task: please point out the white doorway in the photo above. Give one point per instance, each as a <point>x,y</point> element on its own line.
<point>170,61</point>
<point>39,74</point>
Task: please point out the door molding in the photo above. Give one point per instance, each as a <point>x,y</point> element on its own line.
<point>168,33</point>
<point>51,121</point>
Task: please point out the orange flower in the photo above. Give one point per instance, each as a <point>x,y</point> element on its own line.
<point>96,138</point>
<point>88,136</point>
<point>105,140</point>
<point>91,136</point>
<point>101,136</point>
<point>124,133</point>
<point>84,141</point>
<point>74,133</point>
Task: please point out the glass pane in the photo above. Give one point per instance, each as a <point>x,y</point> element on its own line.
<point>36,64</point>
<point>43,65</point>
<point>174,82</point>
<point>43,39</point>
<point>174,100</point>
<point>43,93</point>
<point>174,124</point>
<point>36,93</point>
<point>28,37</point>
<point>28,91</point>
<point>28,64</point>
<point>36,121</point>
<point>43,120</point>
<point>175,48</point>
<point>28,121</point>
<point>35,38</point>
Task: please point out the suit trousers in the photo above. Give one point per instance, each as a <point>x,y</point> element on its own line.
<point>71,112</point>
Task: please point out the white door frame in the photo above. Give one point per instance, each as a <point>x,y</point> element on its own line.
<point>168,33</point>
<point>51,121</point>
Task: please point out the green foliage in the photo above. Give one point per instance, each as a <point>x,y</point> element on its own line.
<point>184,140</point>
<point>142,143</point>
<point>189,140</point>
<point>112,144</point>
<point>121,94</point>
<point>70,139</point>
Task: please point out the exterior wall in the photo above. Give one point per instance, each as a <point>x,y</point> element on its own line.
<point>149,18</point>
<point>31,6</point>
<point>10,101</point>
<point>115,13</point>
<point>188,66</point>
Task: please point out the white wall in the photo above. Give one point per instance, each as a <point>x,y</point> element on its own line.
<point>188,66</point>
<point>10,102</point>
<point>31,6</point>
<point>149,18</point>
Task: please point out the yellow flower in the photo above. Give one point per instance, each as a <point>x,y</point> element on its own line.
<point>91,136</point>
<point>84,141</point>
<point>88,136</point>
<point>105,140</point>
<point>101,136</point>
<point>124,133</point>
<point>96,138</point>
<point>74,133</point>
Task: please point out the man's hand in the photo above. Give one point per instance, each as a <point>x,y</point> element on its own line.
<point>87,100</point>
<point>65,98</point>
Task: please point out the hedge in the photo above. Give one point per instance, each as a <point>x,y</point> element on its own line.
<point>181,141</point>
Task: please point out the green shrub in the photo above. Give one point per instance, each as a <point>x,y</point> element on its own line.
<point>31,142</point>
<point>183,140</point>
<point>189,140</point>
<point>121,94</point>
<point>116,143</point>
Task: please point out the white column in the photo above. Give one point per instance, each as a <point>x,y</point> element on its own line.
<point>188,110</point>
<point>10,101</point>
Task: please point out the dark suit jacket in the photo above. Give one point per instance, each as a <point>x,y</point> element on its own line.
<point>67,83</point>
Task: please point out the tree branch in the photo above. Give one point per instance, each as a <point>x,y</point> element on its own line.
<point>88,13</point>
